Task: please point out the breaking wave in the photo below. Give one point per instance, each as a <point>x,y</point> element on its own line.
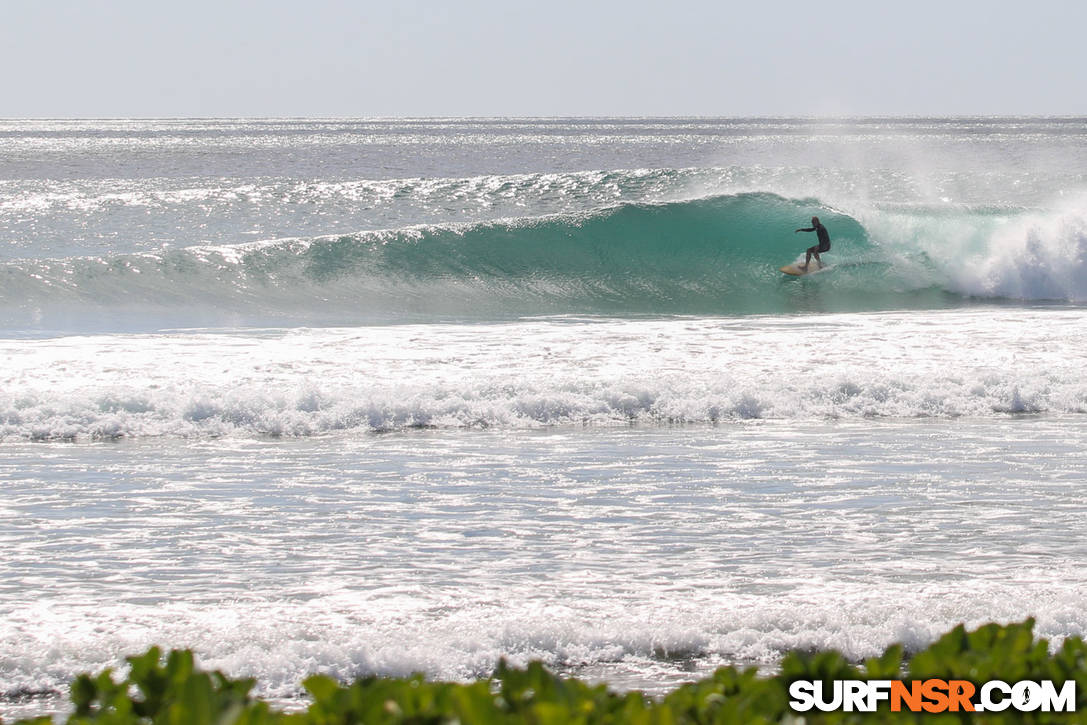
<point>714,255</point>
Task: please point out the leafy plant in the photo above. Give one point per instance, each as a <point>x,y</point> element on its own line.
<point>169,690</point>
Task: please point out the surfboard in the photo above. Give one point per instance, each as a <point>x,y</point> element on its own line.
<point>797,271</point>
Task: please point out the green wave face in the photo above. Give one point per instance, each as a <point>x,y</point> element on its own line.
<point>717,255</point>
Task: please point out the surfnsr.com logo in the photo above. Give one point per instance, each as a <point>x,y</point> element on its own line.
<point>932,695</point>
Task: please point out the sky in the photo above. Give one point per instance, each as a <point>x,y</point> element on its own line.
<point>403,58</point>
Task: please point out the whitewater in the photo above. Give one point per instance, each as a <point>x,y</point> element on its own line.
<point>383,396</point>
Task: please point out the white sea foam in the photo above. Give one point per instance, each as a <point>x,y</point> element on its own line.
<point>990,253</point>
<point>464,636</point>
<point>979,363</point>
<point>1039,256</point>
<point>645,553</point>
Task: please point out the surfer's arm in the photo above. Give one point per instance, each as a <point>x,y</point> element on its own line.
<point>810,229</point>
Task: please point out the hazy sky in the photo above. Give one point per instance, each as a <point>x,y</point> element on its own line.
<point>561,57</point>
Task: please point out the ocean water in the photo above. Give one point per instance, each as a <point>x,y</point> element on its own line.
<point>375,397</point>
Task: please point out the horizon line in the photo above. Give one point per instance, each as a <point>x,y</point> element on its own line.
<point>588,117</point>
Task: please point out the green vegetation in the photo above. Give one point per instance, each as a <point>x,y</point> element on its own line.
<point>171,691</point>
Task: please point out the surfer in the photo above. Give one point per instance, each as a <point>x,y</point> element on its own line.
<point>824,242</point>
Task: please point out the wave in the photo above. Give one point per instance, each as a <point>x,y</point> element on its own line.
<point>541,373</point>
<point>303,408</point>
<point>714,255</point>
<point>463,636</point>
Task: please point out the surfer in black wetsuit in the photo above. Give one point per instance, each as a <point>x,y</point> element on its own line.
<point>824,242</point>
